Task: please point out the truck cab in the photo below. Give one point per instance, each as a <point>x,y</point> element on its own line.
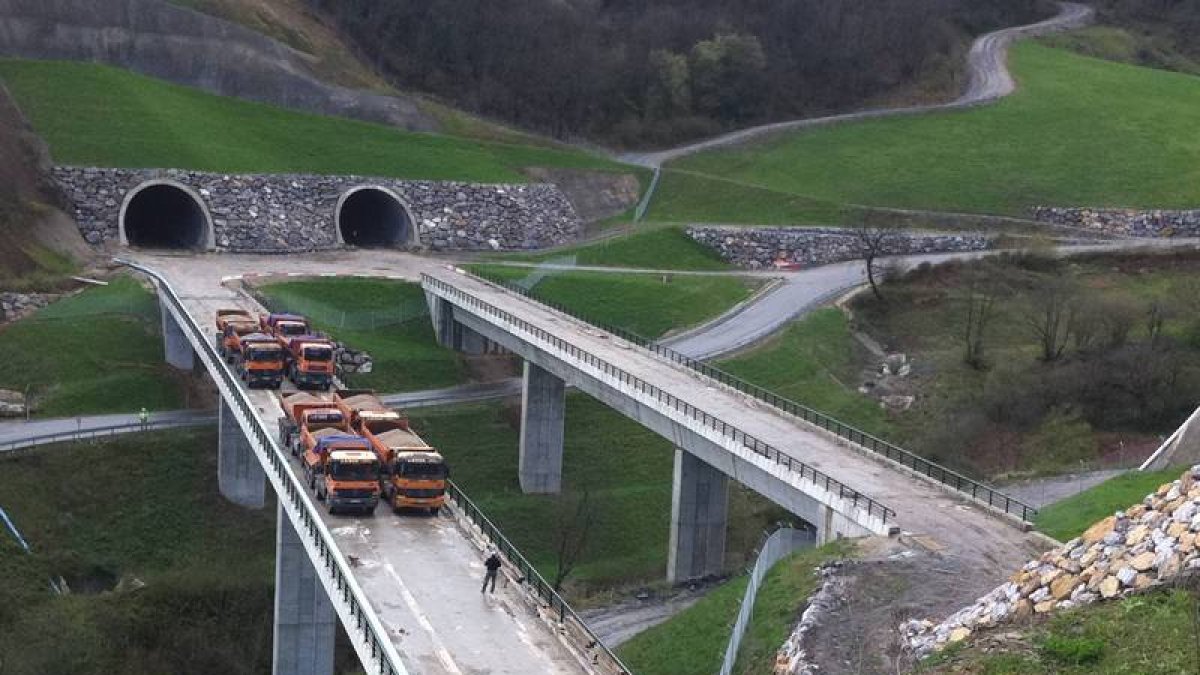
<point>414,474</point>
<point>305,413</point>
<point>343,470</point>
<point>232,325</point>
<point>310,361</point>
<point>261,361</point>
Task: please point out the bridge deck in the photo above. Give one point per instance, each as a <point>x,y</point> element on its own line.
<point>421,573</point>
<point>949,523</point>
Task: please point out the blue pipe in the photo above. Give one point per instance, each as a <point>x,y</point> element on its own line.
<point>13,528</point>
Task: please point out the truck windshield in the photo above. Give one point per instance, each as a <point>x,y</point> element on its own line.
<point>354,470</point>
<point>421,470</point>
<point>318,353</point>
<point>262,355</point>
<point>292,328</point>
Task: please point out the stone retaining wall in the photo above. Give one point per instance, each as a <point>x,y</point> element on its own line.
<point>295,212</point>
<point>757,247</point>
<point>1124,222</point>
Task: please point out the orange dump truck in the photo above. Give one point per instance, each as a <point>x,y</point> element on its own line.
<point>343,470</point>
<point>260,361</point>
<point>414,473</point>
<point>232,324</point>
<point>284,326</point>
<point>310,361</point>
<point>304,414</point>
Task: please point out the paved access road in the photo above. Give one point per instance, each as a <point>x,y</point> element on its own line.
<point>988,80</point>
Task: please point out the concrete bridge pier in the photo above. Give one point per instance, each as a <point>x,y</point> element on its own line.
<point>543,415</point>
<point>176,348</point>
<point>240,477</point>
<point>305,624</point>
<point>699,514</point>
<point>452,334</point>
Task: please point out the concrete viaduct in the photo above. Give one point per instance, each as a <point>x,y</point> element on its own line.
<point>834,484</point>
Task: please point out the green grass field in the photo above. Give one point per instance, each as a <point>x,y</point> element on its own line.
<point>388,319</point>
<point>719,197</point>
<point>145,508</point>
<point>693,642</point>
<point>812,362</point>
<point>1069,518</point>
<point>647,247</point>
<point>624,468</point>
<point>102,116</point>
<point>96,352</point>
<point>1079,131</point>
<point>642,303</point>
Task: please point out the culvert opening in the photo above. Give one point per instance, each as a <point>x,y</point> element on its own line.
<point>162,215</point>
<point>372,217</point>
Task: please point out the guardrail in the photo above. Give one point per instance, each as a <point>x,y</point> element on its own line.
<point>94,433</point>
<point>780,543</point>
<point>644,203</point>
<point>604,656</point>
<point>367,634</point>
<point>752,443</point>
<point>968,486</point>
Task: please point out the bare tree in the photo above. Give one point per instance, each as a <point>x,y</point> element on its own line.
<point>874,241</point>
<point>572,527</point>
<point>1157,315</point>
<point>1051,316</point>
<point>983,289</point>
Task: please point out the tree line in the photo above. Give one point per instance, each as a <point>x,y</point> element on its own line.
<point>640,72</point>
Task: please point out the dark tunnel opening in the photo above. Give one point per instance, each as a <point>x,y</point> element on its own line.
<point>165,216</point>
<point>371,217</point>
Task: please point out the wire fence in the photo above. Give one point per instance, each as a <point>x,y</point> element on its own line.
<point>956,481</point>
<point>644,205</point>
<point>600,655</point>
<point>780,544</point>
<point>336,318</point>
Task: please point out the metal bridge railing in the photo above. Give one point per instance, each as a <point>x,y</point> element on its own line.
<point>752,443</point>
<point>960,483</point>
<point>370,639</point>
<point>94,433</point>
<point>602,657</point>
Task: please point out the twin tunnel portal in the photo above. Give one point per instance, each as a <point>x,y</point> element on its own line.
<point>164,214</point>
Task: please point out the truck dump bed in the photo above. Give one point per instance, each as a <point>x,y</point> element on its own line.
<point>403,439</point>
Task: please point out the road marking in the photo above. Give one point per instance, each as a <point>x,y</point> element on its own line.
<point>442,653</point>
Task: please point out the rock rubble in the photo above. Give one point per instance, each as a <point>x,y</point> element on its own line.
<point>761,247</point>
<point>1124,222</point>
<point>1129,551</point>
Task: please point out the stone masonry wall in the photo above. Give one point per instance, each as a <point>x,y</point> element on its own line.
<point>1124,222</point>
<point>758,247</point>
<point>295,212</point>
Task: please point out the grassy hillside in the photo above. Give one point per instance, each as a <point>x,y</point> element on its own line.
<point>97,115</point>
<point>96,352</point>
<point>1068,518</point>
<point>646,304</point>
<point>148,509</point>
<point>647,247</point>
<point>1079,131</point>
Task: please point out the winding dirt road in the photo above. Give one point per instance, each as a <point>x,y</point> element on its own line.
<point>988,80</point>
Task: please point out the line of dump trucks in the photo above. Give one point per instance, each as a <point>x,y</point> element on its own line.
<point>354,450</point>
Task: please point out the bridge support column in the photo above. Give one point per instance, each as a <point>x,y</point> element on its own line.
<point>699,511</point>
<point>176,348</point>
<point>441,312</point>
<point>543,413</point>
<point>305,624</point>
<point>471,342</point>
<point>239,475</point>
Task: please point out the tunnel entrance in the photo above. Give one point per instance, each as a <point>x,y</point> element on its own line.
<point>373,217</point>
<point>163,214</point>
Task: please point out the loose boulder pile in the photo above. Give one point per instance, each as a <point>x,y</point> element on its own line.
<point>352,360</point>
<point>1129,551</point>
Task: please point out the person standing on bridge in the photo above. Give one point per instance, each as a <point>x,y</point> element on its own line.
<point>492,563</point>
<point>144,418</point>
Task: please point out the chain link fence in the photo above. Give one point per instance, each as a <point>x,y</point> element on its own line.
<point>782,543</point>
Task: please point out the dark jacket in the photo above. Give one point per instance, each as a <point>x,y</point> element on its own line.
<point>492,563</point>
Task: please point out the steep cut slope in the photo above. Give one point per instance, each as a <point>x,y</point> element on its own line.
<point>37,240</point>
<point>185,46</point>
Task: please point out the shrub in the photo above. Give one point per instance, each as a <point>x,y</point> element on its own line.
<point>1074,651</point>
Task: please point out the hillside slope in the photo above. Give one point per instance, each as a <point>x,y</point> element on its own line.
<point>37,240</point>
